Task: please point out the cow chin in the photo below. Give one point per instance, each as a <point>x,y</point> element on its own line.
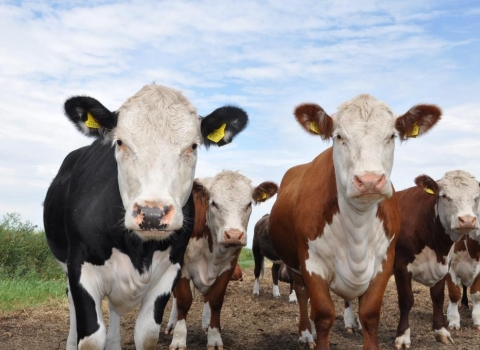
<point>153,235</point>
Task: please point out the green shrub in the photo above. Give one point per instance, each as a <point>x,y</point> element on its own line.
<point>245,254</point>
<point>24,252</point>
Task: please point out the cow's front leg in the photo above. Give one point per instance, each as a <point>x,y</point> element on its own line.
<point>148,323</point>
<point>322,308</point>
<point>72,334</point>
<point>403,281</point>
<point>275,273</point>
<point>214,299</point>
<point>437,293</point>
<point>87,300</point>
<point>305,334</point>
<point>454,295</point>
<point>370,303</point>
<point>181,305</point>
<point>114,341</point>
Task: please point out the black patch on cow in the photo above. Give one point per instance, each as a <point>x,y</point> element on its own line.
<point>235,119</point>
<point>159,307</point>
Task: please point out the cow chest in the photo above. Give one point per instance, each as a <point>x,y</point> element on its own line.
<point>463,268</point>
<point>348,257</point>
<point>124,285</point>
<point>426,269</point>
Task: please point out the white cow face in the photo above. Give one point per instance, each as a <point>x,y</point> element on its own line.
<point>457,201</point>
<point>156,134</point>
<point>363,132</point>
<point>230,196</point>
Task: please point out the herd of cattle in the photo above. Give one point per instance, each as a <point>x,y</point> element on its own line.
<point>127,221</point>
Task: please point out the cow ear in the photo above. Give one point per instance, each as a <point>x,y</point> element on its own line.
<point>417,121</point>
<point>222,125</point>
<point>200,192</point>
<point>314,120</point>
<point>428,184</point>
<point>90,116</point>
<point>264,191</point>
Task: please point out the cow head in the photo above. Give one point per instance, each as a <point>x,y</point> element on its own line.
<point>363,132</point>
<point>156,134</point>
<point>230,196</point>
<point>457,201</point>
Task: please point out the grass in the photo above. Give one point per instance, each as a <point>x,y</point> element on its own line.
<point>24,293</point>
<point>29,274</point>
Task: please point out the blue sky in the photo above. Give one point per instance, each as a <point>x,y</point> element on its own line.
<point>265,56</point>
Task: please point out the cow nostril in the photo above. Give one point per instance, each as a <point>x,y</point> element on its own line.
<point>358,183</point>
<point>227,236</point>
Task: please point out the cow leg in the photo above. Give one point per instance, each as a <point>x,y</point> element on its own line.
<point>172,320</point>
<point>454,294</point>
<point>181,303</point>
<point>147,326</point>
<point>437,293</point>
<point>214,298</point>
<point>305,337</point>
<point>87,300</point>
<point>292,298</point>
<point>349,317</point>
<point>475,294</point>
<point>258,258</point>
<point>322,308</point>
<point>370,303</point>
<point>403,282</point>
<point>275,272</point>
<point>72,334</point>
<point>114,341</point>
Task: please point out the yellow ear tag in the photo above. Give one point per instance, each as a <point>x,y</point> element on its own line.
<point>218,134</point>
<point>262,197</point>
<point>314,128</point>
<point>415,131</point>
<point>429,191</point>
<point>91,122</point>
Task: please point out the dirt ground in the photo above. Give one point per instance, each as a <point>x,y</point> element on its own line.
<point>248,322</point>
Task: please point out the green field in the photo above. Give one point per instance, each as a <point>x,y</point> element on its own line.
<point>29,274</point>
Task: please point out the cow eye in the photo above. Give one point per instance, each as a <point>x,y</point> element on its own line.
<point>339,138</point>
<point>392,137</point>
<point>248,206</point>
<point>213,204</point>
<point>194,146</point>
<point>444,196</point>
<point>119,142</point>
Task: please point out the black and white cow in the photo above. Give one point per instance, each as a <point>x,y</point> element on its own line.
<point>119,214</point>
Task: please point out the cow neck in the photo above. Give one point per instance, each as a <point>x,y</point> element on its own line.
<point>442,243</point>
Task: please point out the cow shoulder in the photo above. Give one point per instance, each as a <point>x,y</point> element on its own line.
<point>200,198</point>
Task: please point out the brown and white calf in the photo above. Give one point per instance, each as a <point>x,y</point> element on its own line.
<point>336,219</point>
<point>262,248</point>
<point>223,205</point>
<point>435,214</point>
<point>464,270</point>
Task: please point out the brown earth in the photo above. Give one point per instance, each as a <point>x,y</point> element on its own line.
<point>248,322</point>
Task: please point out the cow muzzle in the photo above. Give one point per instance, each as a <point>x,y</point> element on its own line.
<point>234,238</point>
<point>467,222</point>
<point>153,216</point>
<point>369,183</point>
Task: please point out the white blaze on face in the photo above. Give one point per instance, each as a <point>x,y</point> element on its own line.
<point>230,204</point>
<point>155,139</point>
<point>458,201</point>
<point>363,135</point>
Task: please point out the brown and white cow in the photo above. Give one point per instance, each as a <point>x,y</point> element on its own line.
<point>464,270</point>
<point>262,248</point>
<point>435,214</point>
<point>336,219</point>
<point>223,205</point>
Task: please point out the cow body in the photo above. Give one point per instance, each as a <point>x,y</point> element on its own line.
<point>336,219</point>
<point>434,216</point>
<point>464,271</point>
<point>116,220</point>
<point>223,206</point>
<point>262,248</point>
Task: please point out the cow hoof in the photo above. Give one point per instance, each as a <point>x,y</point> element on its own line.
<point>477,327</point>
<point>168,330</point>
<point>402,346</point>
<point>182,348</point>
<point>454,326</point>
<point>350,330</point>
<point>218,347</point>
<point>444,339</point>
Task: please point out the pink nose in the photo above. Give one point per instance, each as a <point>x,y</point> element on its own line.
<point>235,237</point>
<point>153,216</point>
<point>369,183</point>
<point>467,221</point>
